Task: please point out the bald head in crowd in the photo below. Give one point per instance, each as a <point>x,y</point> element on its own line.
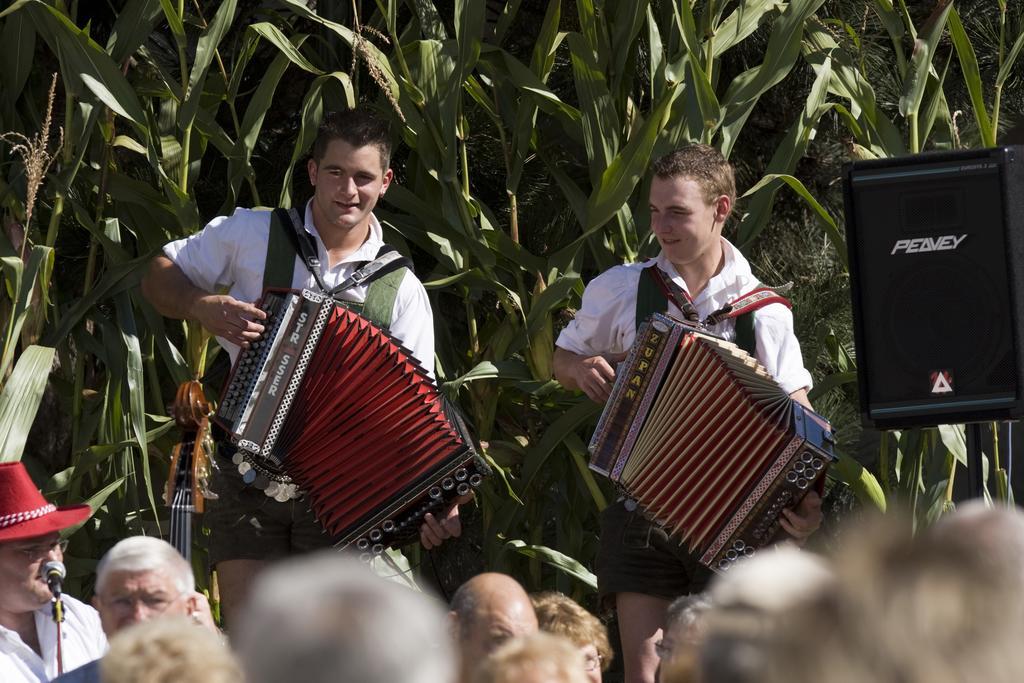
<point>486,611</point>
<point>996,533</point>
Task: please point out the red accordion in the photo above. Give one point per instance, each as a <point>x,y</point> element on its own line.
<point>706,442</point>
<point>327,405</point>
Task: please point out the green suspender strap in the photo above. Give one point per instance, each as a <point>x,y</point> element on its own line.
<point>282,250</point>
<point>383,276</point>
<point>651,298</point>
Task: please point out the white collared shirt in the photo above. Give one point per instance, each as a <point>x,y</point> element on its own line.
<point>231,252</point>
<point>606,322</point>
<point>82,641</point>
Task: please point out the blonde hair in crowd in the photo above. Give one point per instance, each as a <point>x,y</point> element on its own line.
<point>538,658</point>
<point>559,614</point>
<point>169,650</point>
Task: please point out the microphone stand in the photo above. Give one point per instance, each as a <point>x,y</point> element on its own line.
<point>57,612</point>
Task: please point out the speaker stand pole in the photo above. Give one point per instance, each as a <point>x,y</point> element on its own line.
<point>975,476</point>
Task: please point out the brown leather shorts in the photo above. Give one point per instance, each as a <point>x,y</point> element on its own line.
<point>637,556</point>
<point>246,524</point>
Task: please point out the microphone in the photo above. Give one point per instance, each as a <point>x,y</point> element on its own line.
<point>53,572</point>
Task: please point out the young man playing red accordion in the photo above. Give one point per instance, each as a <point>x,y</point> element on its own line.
<point>349,171</point>
<point>691,197</point>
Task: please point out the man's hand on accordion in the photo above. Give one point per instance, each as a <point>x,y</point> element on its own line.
<point>593,375</point>
<point>803,520</point>
<point>227,317</point>
<point>435,530</point>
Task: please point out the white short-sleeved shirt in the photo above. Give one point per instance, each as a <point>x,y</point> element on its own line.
<point>231,252</point>
<point>606,322</point>
<point>82,641</point>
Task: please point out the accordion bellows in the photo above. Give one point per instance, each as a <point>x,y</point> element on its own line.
<point>351,418</point>
<point>706,442</point>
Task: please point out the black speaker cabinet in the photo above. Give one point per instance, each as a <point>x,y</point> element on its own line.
<point>936,244</point>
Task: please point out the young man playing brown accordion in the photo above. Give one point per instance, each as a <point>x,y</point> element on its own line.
<point>335,237</point>
<point>692,194</point>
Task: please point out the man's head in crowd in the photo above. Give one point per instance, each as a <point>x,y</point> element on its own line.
<point>169,650</point>
<point>904,608</point>
<point>559,614</point>
<point>685,624</point>
<point>692,194</point>
<point>749,601</point>
<point>486,611</point>
<point>534,658</point>
<point>29,537</point>
<point>349,168</point>
<point>996,532</point>
<point>141,578</point>
<point>326,617</point>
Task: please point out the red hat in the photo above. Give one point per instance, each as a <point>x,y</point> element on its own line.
<point>24,512</point>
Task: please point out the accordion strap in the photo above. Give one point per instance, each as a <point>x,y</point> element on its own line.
<point>673,293</point>
<point>656,285</point>
<point>288,235</point>
<point>751,301</point>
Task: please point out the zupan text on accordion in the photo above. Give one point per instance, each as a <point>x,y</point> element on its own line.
<point>329,406</point>
<point>706,442</point>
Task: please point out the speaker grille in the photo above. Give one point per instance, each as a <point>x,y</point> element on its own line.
<point>931,211</point>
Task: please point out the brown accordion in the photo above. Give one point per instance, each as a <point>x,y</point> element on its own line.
<point>706,442</point>
<point>327,405</point>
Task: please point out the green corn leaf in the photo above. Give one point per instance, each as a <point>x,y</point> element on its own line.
<point>134,382</point>
<point>625,170</point>
<point>848,82</point>
<point>513,370</point>
<point>568,422</point>
<point>594,32</point>
<point>1011,59</point>
<point>601,124</point>
<point>553,297</point>
<point>206,49</point>
<point>739,25</point>
<point>921,60</point>
<point>780,56</point>
<point>531,86</point>
<point>346,34</point>
<point>174,21</point>
<point>95,502</point>
<point>954,439</point>
<point>312,115</point>
<point>788,153</point>
<point>578,450</point>
<point>833,381</point>
<point>285,44</point>
<point>115,280</point>
<point>558,560</point>
<point>823,216</point>
<point>656,60</point>
<point>85,67</point>
<point>133,25</point>
<point>252,123</point>
<point>972,77</point>
<point>469,27</point>
<point>625,21</point>
<point>508,15</point>
<point>22,278</point>
<point>17,45</point>
<point>863,484</point>
<point>20,398</point>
